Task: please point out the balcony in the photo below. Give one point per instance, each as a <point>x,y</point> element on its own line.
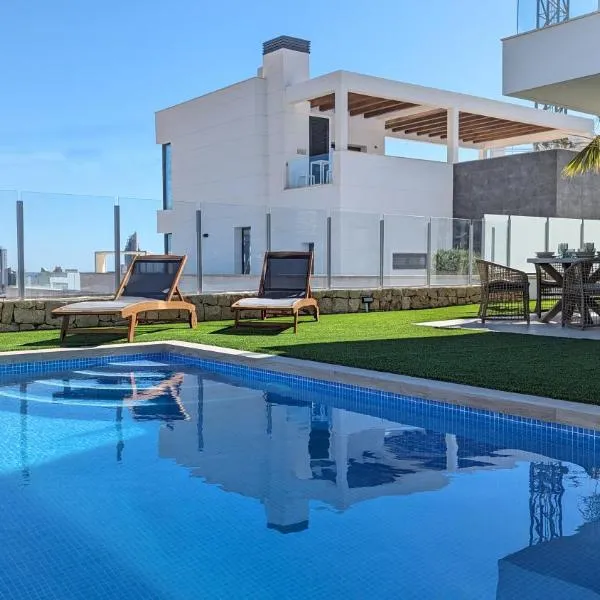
<point>551,60</point>
<point>305,171</point>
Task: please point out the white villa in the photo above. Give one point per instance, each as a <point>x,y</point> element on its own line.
<point>269,158</point>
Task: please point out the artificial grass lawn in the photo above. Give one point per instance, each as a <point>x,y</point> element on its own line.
<point>391,341</point>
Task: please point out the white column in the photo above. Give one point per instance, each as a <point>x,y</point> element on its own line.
<point>451,452</point>
<point>452,140</point>
<point>341,118</point>
<point>483,153</point>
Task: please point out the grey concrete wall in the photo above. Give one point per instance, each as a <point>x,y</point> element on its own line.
<point>528,184</point>
<point>578,197</point>
<point>519,184</point>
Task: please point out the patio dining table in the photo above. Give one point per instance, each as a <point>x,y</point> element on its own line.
<point>548,265</point>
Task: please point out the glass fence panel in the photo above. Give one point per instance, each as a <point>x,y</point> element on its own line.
<point>234,241</point>
<point>591,232</point>
<point>139,233</point>
<point>405,251</point>
<point>564,231</point>
<point>450,251</point>
<point>304,171</point>
<point>177,228</point>
<point>495,231</point>
<point>527,236</point>
<point>478,237</point>
<point>8,244</point>
<point>64,235</point>
<point>297,229</point>
<point>355,250</point>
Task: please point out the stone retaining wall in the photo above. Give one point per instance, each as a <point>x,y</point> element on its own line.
<point>27,315</point>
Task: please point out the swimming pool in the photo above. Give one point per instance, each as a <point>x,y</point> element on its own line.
<point>164,476</point>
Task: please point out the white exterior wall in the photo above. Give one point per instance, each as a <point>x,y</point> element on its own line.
<point>557,64</point>
<point>392,188</point>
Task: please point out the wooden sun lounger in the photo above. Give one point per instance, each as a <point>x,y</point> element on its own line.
<point>284,288</point>
<point>145,287</point>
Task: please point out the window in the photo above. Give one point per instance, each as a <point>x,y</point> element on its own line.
<point>168,243</point>
<point>166,177</point>
<point>242,250</point>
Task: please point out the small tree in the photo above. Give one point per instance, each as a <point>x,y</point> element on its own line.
<point>586,161</point>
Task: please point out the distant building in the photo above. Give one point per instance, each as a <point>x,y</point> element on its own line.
<point>3,271</point>
<point>132,245</point>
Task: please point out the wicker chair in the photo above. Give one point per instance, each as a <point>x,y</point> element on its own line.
<point>581,295</point>
<point>547,288</point>
<point>504,292</point>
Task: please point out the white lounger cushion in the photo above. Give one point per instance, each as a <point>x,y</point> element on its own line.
<point>266,302</point>
<point>104,306</point>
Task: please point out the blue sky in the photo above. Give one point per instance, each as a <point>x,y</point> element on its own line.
<point>83,79</point>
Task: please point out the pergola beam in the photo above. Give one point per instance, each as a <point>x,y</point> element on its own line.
<point>413,121</point>
<point>388,109</point>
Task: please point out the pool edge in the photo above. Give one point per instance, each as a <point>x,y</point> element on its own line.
<point>511,403</point>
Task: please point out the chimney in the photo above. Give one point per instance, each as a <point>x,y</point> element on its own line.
<point>286,60</point>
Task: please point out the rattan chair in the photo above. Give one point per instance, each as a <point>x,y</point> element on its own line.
<point>504,292</point>
<point>547,288</point>
<point>581,294</point>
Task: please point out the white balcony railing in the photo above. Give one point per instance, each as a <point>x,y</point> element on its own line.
<point>305,171</point>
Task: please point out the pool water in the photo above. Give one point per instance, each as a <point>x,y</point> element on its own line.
<point>163,478</point>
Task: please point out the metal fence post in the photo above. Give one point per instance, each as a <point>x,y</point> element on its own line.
<point>328,242</point>
<point>268,232</point>
<point>429,252</point>
<point>493,246</point>
<point>582,234</point>
<point>547,235</point>
<point>20,250</point>
<point>470,279</point>
<point>199,276</point>
<point>381,250</point>
<point>117,243</point>
<point>508,240</point>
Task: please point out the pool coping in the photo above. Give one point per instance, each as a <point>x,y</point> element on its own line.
<point>511,403</point>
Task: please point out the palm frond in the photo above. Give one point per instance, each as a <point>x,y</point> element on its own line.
<point>586,161</point>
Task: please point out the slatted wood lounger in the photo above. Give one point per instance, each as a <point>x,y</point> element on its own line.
<point>150,284</point>
<point>284,288</point>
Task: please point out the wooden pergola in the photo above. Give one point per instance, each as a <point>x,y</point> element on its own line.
<point>429,123</point>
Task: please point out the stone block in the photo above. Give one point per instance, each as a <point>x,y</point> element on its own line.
<point>31,316</point>
<point>168,315</point>
<point>212,312</point>
<point>354,304</point>
<point>7,312</point>
<point>355,293</point>
<point>200,312</point>
<point>405,303</point>
<point>226,313</point>
<point>40,304</point>
<point>224,300</point>
<point>339,294</point>
<point>26,327</point>
<point>86,321</point>
<point>25,304</point>
<point>339,305</point>
<point>325,305</point>
<point>6,327</point>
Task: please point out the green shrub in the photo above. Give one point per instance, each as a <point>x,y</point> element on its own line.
<point>455,261</point>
